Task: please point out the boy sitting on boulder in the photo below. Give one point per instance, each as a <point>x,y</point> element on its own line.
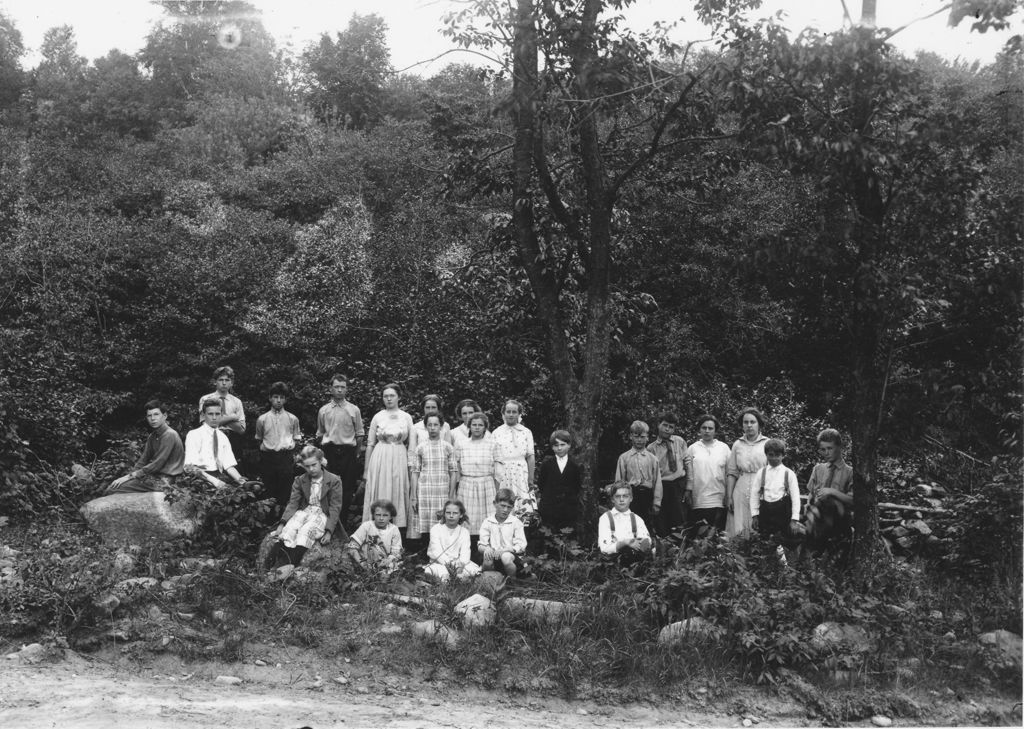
<point>162,459</point>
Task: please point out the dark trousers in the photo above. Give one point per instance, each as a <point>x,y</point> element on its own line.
<point>775,516</point>
<point>643,500</point>
<point>343,462</point>
<point>278,471</point>
<point>673,510</point>
<point>698,519</point>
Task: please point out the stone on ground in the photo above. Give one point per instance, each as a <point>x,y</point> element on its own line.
<point>476,610</point>
<point>436,631</point>
<point>541,610</point>
<point>139,518</point>
<point>695,628</point>
<point>842,636</point>
<point>1005,645</point>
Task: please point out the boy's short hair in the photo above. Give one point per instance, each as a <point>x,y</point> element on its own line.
<point>223,371</point>
<point>639,427</point>
<point>506,495</point>
<point>464,403</point>
<point>384,504</point>
<point>668,417</point>
<point>562,435</point>
<point>775,446</point>
<point>338,377</point>
<point>157,405</point>
<point>830,435</point>
<point>311,451</point>
<point>705,418</point>
<point>619,486</point>
<point>279,388</point>
<point>436,416</point>
<point>209,403</point>
<point>479,415</point>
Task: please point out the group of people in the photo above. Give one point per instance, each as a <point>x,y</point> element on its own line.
<point>470,491</point>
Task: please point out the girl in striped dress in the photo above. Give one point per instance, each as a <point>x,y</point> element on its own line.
<point>434,475</point>
<point>475,457</point>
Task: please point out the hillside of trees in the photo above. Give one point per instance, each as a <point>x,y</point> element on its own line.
<point>815,225</point>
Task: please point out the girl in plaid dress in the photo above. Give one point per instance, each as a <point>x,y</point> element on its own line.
<point>434,475</point>
<point>475,457</point>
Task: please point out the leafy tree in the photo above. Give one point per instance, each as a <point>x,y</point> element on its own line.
<point>847,110</point>
<point>345,77</point>
<point>12,48</point>
<point>58,88</point>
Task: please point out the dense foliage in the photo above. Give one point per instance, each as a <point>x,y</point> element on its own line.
<point>212,201</point>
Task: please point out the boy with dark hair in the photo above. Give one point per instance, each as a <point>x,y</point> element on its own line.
<point>208,451</point>
<point>834,472</point>
<point>639,469</point>
<point>278,433</point>
<point>162,459</point>
<point>775,495</point>
<point>673,460</point>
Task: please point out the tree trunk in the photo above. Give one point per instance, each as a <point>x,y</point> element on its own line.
<point>581,394</point>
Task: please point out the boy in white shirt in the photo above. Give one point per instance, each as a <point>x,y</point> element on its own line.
<point>621,533</point>
<point>775,497</point>
<point>502,537</point>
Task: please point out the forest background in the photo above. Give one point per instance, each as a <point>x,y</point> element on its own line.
<point>211,200</point>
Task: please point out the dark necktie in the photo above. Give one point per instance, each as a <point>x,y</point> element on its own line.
<point>671,456</point>
<point>831,475</point>
<point>216,454</point>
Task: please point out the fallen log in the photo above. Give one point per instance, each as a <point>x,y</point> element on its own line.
<point>907,507</point>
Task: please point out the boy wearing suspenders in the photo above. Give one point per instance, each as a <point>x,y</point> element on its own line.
<point>620,534</point>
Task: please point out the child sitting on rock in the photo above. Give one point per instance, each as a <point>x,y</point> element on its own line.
<point>502,537</point>
<point>376,546</point>
<point>313,510</point>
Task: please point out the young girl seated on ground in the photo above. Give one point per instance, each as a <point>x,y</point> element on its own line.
<point>376,546</point>
<point>448,551</point>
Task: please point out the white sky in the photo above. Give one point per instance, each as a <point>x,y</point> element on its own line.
<point>414,25</point>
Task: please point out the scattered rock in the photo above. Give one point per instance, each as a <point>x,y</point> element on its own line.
<point>139,518</point>
<point>219,616</point>
<point>476,610</point>
<point>852,638</point>
<point>124,562</point>
<point>695,628</point>
<point>341,680</point>
<point>879,720</point>
<point>82,474</point>
<point>748,722</point>
<point>227,680</point>
<point>949,635</point>
<point>259,662</point>
<point>1005,645</point>
<point>935,615</point>
<point>106,603</point>
<point>541,610</point>
<point>919,526</point>
<point>31,653</point>
<point>389,629</point>
<point>135,585</point>
<point>437,631</point>
<point>362,690</point>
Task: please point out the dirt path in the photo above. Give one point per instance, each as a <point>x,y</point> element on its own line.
<point>88,694</point>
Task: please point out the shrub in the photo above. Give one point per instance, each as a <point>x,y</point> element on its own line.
<point>233,519</point>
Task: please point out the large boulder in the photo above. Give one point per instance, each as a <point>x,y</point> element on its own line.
<point>842,637</point>
<point>1006,647</point>
<point>476,610</point>
<point>139,518</point>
